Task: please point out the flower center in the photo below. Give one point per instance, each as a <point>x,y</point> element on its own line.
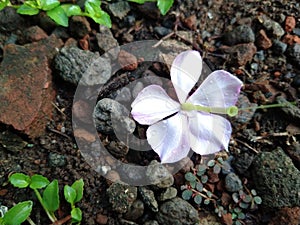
<point>230,111</point>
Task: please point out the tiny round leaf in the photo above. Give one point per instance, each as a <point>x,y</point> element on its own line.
<point>187,194</point>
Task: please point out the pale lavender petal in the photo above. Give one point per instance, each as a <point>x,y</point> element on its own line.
<point>219,89</point>
<point>185,72</point>
<point>153,104</point>
<point>169,138</point>
<point>209,133</point>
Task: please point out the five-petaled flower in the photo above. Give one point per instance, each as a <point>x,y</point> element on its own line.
<point>193,122</point>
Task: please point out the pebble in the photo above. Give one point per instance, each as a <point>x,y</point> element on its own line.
<point>106,41</point>
<point>277,180</point>
<point>148,198</point>
<point>151,222</point>
<point>11,20</point>
<point>158,175</point>
<point>241,54</point>
<point>243,162</point>
<point>233,183</point>
<point>290,24</point>
<point>101,219</point>
<point>72,64</point>
<point>296,82</point>
<point>34,33</point>
<point>239,35</point>
<point>118,148</point>
<point>121,197</point>
<point>107,109</point>
<point>177,212</point>
<point>138,87</point>
<point>167,194</point>
<point>262,40</point>
<point>296,31</point>
<point>79,26</point>
<point>56,160</point>
<point>271,26</point>
<point>124,95</point>
<point>135,211</point>
<point>279,47</point>
<point>119,9</point>
<point>293,52</point>
<point>162,31</point>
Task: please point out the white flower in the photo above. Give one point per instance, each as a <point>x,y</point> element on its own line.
<point>191,122</point>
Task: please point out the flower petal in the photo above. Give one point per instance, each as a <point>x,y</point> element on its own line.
<point>209,133</point>
<point>153,104</point>
<point>219,89</point>
<point>169,139</point>
<point>185,72</point>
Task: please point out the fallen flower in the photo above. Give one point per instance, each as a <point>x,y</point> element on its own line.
<point>192,122</point>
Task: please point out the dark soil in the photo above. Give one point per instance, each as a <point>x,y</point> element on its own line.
<point>273,76</point>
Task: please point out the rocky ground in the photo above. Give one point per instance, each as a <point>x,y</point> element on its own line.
<point>41,65</point>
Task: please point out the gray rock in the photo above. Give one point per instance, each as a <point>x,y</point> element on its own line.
<point>233,183</point>
<point>174,46</point>
<point>138,87</point>
<point>106,41</point>
<point>148,198</point>
<point>72,64</point>
<point>277,180</point>
<point>293,52</point>
<point>121,197</point>
<point>243,162</point>
<point>11,20</point>
<point>158,175</point>
<point>296,31</point>
<point>135,211</point>
<point>279,47</point>
<point>151,222</point>
<point>162,31</point>
<point>119,9</point>
<point>124,95</point>
<point>272,26</point>
<point>56,160</point>
<point>241,34</point>
<point>118,148</point>
<point>177,212</point>
<point>79,26</point>
<point>107,110</point>
<point>167,194</point>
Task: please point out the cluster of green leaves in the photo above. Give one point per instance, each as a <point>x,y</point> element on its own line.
<point>49,199</point>
<point>202,187</point>
<point>163,5</point>
<point>60,13</point>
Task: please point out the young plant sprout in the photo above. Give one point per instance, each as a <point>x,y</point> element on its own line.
<point>193,122</point>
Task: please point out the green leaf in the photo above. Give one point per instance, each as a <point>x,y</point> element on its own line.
<point>217,169</point>
<point>72,10</point>
<point>27,10</point>
<point>198,199</point>
<point>199,187</point>
<point>76,215</point>
<point>59,16</point>
<point>241,216</point>
<point>70,194</point>
<point>243,205</point>
<point>49,4</point>
<point>19,180</point>
<point>18,214</point>
<point>204,179</point>
<point>209,194</point>
<point>38,181</point>
<point>193,184</point>
<point>247,198</point>
<point>211,163</point>
<point>3,4</point>
<point>92,7</point>
<point>235,197</point>
<point>206,201</point>
<point>257,200</point>
<point>138,1</point>
<point>164,5</point>
<point>187,194</point>
<point>51,197</point>
<point>190,177</point>
<point>253,192</point>
<point>102,18</point>
<point>78,187</point>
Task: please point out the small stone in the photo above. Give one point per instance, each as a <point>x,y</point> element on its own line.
<point>167,194</point>
<point>74,65</point>
<point>112,176</point>
<point>11,20</point>
<point>149,9</point>
<point>291,39</point>
<point>241,54</point>
<point>85,135</point>
<point>293,52</point>
<point>233,183</point>
<point>12,142</point>
<point>151,222</point>
<point>135,211</point>
<point>79,26</point>
<point>177,212</point>
<point>162,31</point>
<point>107,110</point>
<point>106,41</point>
<point>119,9</point>
<point>267,168</point>
<point>101,219</point>
<point>121,197</point>
<point>170,45</point>
<point>290,24</point>
<point>118,149</point>
<point>127,60</point>
<point>272,26</point>
<point>137,89</point>
<point>56,160</point>
<point>239,35</point>
<point>243,162</point>
<point>279,47</point>
<point>82,111</point>
<point>158,175</point>
<point>34,33</point>
<point>124,95</point>
<point>148,198</point>
<point>296,31</point>
<point>190,22</point>
<point>286,215</point>
<point>262,40</point>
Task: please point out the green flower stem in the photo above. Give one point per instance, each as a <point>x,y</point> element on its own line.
<point>270,106</point>
<point>49,214</point>
<point>230,111</point>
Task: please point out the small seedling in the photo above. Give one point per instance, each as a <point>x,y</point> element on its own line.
<point>50,195</point>
<point>17,214</point>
